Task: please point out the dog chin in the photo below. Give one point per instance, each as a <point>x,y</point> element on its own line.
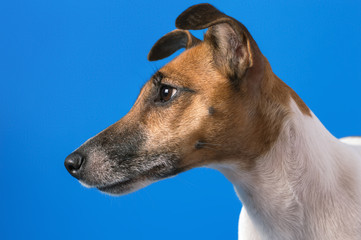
<point>122,188</point>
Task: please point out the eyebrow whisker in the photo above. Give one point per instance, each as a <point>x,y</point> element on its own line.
<point>158,77</point>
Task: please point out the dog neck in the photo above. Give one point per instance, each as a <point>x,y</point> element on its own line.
<point>301,179</point>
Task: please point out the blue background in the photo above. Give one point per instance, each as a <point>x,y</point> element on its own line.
<point>70,68</point>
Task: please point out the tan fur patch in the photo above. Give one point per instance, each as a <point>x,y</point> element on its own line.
<point>244,125</point>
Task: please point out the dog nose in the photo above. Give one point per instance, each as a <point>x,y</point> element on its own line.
<point>73,163</point>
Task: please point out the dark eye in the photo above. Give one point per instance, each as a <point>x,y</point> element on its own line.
<point>166,93</point>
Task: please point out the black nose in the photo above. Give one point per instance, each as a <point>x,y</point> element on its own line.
<point>73,163</point>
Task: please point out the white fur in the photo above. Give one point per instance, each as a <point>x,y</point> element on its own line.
<point>306,187</point>
<point>84,184</point>
<point>352,140</point>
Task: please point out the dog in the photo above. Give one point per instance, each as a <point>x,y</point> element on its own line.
<point>219,105</point>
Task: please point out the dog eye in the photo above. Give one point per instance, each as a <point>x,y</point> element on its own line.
<point>166,93</point>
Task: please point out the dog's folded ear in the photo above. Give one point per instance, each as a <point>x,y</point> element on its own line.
<point>200,16</point>
<point>170,43</point>
<point>234,49</point>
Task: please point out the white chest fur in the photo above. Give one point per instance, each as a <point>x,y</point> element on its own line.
<point>307,186</point>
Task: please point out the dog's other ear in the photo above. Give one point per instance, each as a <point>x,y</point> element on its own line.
<point>234,49</point>
<point>170,43</point>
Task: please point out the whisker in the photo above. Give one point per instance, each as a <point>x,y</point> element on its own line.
<point>209,147</point>
<point>200,145</point>
<point>212,144</point>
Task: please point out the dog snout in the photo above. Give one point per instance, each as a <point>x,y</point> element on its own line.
<point>73,164</point>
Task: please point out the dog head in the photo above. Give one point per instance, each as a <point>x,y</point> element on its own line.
<point>214,103</point>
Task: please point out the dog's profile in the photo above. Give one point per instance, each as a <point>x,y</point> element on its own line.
<point>218,104</point>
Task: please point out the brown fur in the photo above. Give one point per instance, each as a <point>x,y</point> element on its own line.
<point>242,124</point>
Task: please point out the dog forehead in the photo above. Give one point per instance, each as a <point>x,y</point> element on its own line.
<point>193,68</point>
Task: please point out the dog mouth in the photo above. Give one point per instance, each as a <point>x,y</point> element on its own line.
<point>132,184</point>
<point>124,187</point>
<point>121,183</point>
<point>117,187</point>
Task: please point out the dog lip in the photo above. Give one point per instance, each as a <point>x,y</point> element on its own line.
<point>105,188</point>
<point>85,184</point>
